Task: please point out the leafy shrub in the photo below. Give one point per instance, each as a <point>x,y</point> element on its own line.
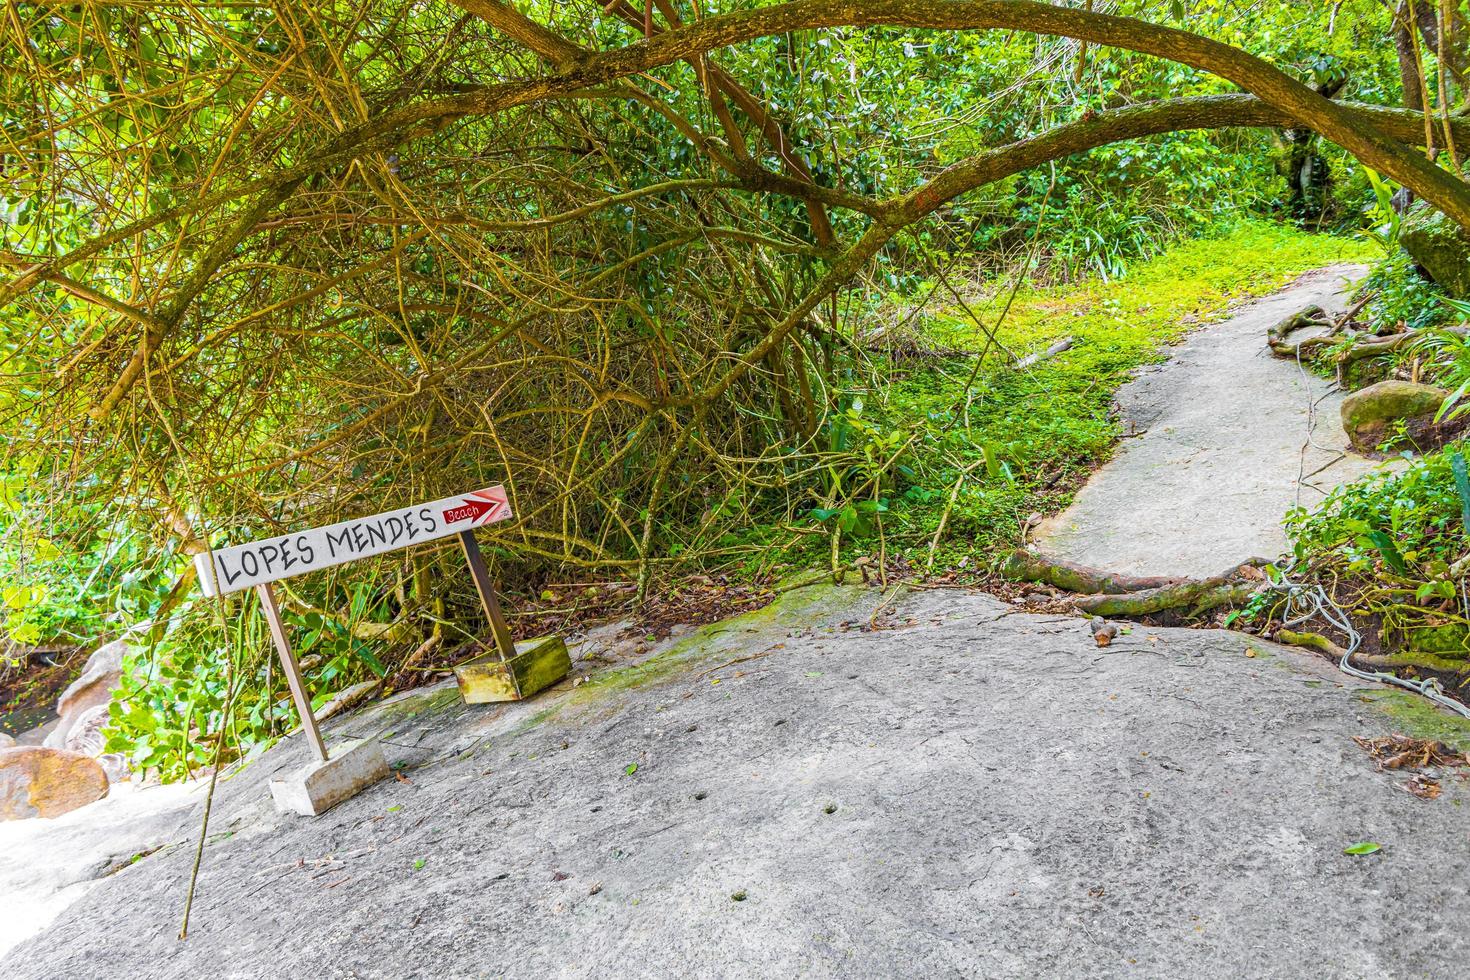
<point>1412,521</point>
<point>1402,295</point>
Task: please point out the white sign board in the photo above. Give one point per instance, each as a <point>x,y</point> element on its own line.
<point>270,559</point>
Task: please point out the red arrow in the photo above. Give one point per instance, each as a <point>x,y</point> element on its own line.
<point>482,507</point>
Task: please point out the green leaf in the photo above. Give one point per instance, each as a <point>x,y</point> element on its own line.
<point>1362,847</point>
<point>1388,550</point>
<point>366,655</point>
<point>1450,407</point>
<point>632,768</point>
<point>418,864</point>
<point>992,461</point>
<point>1462,486</point>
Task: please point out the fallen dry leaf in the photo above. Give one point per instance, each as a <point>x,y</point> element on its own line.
<point>1401,751</point>
<point>1424,787</point>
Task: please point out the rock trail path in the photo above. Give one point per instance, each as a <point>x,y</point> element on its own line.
<point>1217,451</point>
<point>933,784</point>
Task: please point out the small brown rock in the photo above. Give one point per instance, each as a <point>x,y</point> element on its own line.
<point>1103,631</point>
<point>42,782</point>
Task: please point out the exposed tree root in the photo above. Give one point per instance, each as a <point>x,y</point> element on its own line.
<point>1031,360</point>
<point>1391,663</point>
<point>1199,595</point>
<point>1362,345</point>
<point>1109,594</point>
<point>1312,641</point>
<point>1312,316</point>
<point>1026,566</point>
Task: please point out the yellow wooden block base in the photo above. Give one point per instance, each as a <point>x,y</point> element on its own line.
<point>537,665</point>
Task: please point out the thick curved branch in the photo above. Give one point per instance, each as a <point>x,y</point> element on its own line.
<point>719,84</point>
<point>157,330</point>
<point>1271,85</point>
<point>1205,112</point>
<point>546,43</point>
<point>1134,122</point>
<point>1288,98</point>
<point>1295,101</point>
<point>562,53</point>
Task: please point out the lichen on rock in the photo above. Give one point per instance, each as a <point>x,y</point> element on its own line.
<point>42,782</point>
<point>1438,246</point>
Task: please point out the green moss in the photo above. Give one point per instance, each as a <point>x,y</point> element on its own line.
<point>431,701</point>
<point>1420,718</point>
<point>1430,661</point>
<point>1392,399</point>
<point>1440,246</point>
<point>1268,656</point>
<point>793,607</point>
<point>544,715</point>
<point>1452,640</point>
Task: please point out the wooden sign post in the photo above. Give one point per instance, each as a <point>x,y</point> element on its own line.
<point>504,675</point>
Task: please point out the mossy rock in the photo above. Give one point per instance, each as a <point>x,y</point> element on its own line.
<point>1368,416</point>
<point>1438,246</point>
<point>1418,717</point>
<point>1451,641</point>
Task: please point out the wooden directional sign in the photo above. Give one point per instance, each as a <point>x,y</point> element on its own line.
<point>272,559</point>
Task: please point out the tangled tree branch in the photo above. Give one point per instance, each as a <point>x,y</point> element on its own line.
<point>474,258</point>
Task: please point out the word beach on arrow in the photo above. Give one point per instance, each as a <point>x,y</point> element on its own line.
<point>238,567</point>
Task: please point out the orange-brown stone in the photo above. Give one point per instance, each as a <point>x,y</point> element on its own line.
<point>39,782</point>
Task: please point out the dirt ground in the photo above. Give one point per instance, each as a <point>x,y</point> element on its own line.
<point>848,783</point>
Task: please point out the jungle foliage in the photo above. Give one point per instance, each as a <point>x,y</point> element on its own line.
<point>271,265</point>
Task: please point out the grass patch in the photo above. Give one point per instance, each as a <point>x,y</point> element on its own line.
<point>989,446</point>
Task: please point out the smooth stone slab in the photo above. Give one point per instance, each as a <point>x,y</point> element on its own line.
<point>1222,440</point>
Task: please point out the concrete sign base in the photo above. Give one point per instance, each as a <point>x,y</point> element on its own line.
<point>320,785</point>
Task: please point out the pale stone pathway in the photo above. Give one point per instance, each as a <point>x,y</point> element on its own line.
<point>964,790</point>
<point>1212,464</point>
